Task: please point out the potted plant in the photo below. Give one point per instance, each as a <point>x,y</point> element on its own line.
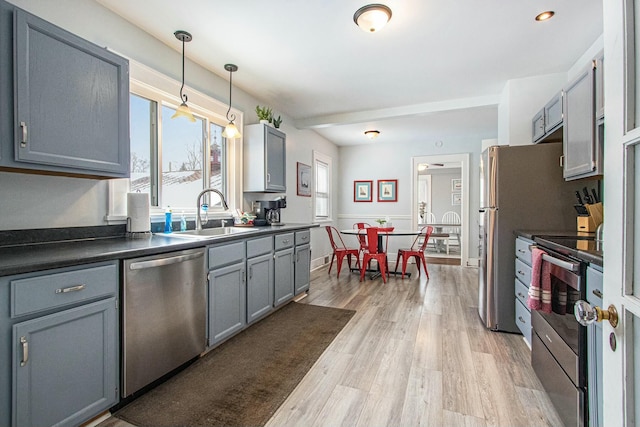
<point>277,122</point>
<point>265,115</point>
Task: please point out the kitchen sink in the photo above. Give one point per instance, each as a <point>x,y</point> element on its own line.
<point>206,233</point>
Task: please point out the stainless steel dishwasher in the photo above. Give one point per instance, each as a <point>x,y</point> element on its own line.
<point>164,316</point>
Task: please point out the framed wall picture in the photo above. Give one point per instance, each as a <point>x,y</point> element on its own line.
<point>304,180</point>
<point>456,184</point>
<point>456,199</point>
<point>387,190</point>
<point>362,191</point>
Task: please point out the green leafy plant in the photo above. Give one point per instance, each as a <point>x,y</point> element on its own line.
<point>277,122</point>
<point>381,221</point>
<point>264,113</point>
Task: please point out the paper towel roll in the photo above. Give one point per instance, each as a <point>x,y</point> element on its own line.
<point>138,213</point>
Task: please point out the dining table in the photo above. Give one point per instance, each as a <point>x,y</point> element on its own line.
<point>443,231</point>
<point>391,231</point>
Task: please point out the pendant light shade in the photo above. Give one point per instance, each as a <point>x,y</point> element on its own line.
<point>183,110</point>
<point>372,17</point>
<point>231,131</point>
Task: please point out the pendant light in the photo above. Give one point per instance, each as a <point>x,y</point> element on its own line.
<point>231,131</point>
<point>183,110</point>
<point>372,17</point>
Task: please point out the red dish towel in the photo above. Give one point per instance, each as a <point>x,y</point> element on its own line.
<point>540,287</point>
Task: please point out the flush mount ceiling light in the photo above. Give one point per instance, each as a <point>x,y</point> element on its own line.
<point>183,110</point>
<point>545,15</point>
<point>372,17</point>
<point>231,131</point>
<point>372,134</point>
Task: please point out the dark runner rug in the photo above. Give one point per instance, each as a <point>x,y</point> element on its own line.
<point>243,381</point>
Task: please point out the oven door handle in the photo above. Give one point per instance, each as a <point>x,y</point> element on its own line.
<point>571,266</point>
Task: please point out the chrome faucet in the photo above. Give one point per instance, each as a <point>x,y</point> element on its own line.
<point>198,205</point>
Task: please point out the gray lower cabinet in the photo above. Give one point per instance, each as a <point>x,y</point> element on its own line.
<point>227,291</point>
<point>521,286</point>
<point>283,268</point>
<point>80,124</point>
<point>594,349</point>
<point>302,257</point>
<point>59,354</point>
<point>259,278</point>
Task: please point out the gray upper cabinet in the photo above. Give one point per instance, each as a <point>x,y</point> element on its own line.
<point>68,106</point>
<point>582,153</point>
<point>264,159</point>
<point>599,71</point>
<point>547,123</point>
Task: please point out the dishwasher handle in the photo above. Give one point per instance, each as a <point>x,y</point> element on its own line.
<point>160,262</point>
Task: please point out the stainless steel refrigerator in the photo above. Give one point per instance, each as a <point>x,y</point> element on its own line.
<point>522,188</point>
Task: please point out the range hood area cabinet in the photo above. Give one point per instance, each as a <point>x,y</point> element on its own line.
<point>65,103</point>
<point>583,131</point>
<point>264,159</point>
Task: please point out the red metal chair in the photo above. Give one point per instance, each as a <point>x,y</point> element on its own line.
<point>416,251</point>
<point>339,252</point>
<point>374,252</point>
<point>362,237</point>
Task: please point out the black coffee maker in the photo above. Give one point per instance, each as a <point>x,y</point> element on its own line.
<point>272,208</point>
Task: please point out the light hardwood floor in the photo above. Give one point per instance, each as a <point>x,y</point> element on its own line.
<point>414,354</point>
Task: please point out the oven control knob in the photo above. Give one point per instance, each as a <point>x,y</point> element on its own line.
<point>586,315</point>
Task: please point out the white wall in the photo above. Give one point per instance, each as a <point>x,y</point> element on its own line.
<point>35,201</point>
<point>392,160</point>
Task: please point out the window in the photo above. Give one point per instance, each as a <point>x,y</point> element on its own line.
<point>322,193</point>
<point>174,160</point>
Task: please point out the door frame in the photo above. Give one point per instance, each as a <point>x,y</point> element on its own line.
<point>463,159</point>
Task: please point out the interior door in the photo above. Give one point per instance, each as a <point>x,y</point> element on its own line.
<point>621,358</point>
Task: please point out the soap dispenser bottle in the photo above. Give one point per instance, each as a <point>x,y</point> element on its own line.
<point>183,222</point>
<point>168,228</point>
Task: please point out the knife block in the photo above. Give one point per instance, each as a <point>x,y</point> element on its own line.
<point>590,223</point>
<point>586,224</point>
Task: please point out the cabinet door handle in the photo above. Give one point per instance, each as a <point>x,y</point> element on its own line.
<point>70,289</point>
<point>520,272</point>
<point>268,177</point>
<point>251,273</point>
<point>25,351</point>
<point>597,293</point>
<point>521,319</point>
<point>23,143</point>
<point>520,295</point>
<point>562,161</point>
<point>521,251</point>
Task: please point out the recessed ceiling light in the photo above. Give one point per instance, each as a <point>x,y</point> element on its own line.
<point>372,17</point>
<point>545,15</point>
<point>372,134</point>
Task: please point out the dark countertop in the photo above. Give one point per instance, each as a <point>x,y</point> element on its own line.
<point>30,257</point>
<point>578,244</point>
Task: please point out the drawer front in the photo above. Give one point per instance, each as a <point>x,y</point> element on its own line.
<point>522,292</point>
<point>522,250</point>
<point>303,237</point>
<point>523,320</point>
<point>257,247</point>
<point>523,272</point>
<point>594,286</point>
<point>556,345</point>
<point>283,241</point>
<point>226,254</point>
<point>54,290</point>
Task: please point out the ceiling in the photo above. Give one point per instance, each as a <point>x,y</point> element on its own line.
<point>434,72</point>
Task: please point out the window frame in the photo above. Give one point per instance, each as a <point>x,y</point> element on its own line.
<point>151,85</point>
<point>323,158</point>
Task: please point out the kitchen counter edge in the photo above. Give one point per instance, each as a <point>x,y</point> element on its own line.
<point>46,256</point>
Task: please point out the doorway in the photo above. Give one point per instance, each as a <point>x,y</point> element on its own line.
<point>441,189</point>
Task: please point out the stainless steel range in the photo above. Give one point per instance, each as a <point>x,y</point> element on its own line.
<point>559,343</point>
